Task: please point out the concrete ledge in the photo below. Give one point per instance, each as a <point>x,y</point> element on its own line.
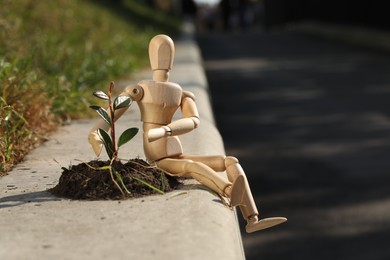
<point>187,224</point>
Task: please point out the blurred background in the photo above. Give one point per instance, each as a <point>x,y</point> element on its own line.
<point>300,91</point>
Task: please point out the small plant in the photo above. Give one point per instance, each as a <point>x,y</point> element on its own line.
<point>92,180</point>
<point>109,141</point>
<point>134,178</point>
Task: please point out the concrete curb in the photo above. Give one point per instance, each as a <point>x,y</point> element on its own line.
<point>189,224</point>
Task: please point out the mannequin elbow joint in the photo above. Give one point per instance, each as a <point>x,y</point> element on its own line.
<point>196,122</point>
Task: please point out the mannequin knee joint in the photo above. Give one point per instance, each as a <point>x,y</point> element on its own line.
<point>188,165</point>
<point>230,160</point>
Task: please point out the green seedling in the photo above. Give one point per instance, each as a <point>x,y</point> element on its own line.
<point>109,140</point>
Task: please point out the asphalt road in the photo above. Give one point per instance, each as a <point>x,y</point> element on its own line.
<point>309,121</point>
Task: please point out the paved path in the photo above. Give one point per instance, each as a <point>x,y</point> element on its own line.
<point>309,120</point>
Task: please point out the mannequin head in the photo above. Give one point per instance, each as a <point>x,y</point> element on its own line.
<point>161,55</point>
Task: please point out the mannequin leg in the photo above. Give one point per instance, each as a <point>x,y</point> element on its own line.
<point>233,169</point>
<point>204,174</point>
<point>247,206</point>
<point>203,169</point>
<point>215,162</point>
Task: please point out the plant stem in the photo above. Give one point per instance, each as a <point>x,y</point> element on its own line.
<point>114,181</point>
<point>112,115</point>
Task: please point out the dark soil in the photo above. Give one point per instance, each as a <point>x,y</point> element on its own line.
<point>87,182</point>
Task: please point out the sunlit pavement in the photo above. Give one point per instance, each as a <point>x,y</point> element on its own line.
<point>309,121</point>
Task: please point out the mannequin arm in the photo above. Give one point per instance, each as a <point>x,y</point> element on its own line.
<point>177,127</point>
<point>180,126</point>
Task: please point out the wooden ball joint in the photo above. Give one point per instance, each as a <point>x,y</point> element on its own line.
<point>158,99</point>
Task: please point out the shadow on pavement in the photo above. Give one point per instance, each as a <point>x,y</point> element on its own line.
<point>309,122</point>
<point>28,197</point>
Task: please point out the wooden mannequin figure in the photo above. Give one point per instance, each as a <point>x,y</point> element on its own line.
<point>158,99</point>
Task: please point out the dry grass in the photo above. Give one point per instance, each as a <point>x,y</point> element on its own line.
<point>54,54</point>
<point>25,115</point>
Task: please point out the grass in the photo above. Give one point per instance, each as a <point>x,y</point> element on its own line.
<point>54,54</point>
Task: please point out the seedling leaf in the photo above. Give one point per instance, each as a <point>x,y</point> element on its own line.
<point>121,102</point>
<point>100,94</point>
<point>103,114</point>
<point>127,136</point>
<point>106,139</point>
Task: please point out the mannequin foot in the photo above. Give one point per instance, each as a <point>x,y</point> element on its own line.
<point>255,225</point>
<point>238,191</point>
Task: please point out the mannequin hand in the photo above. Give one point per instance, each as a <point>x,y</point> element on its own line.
<point>96,142</point>
<point>157,133</point>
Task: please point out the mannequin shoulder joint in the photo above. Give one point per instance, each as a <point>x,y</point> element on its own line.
<point>188,94</point>
<point>135,92</point>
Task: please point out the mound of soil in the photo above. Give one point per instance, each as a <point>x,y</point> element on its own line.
<point>87,181</point>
